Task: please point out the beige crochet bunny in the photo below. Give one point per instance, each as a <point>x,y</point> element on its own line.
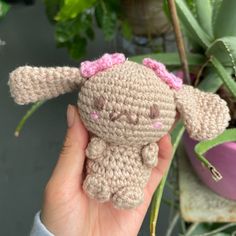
<point>127,107</point>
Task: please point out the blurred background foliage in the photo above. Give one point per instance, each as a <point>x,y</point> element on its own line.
<point>75,21</point>
<point>4,8</point>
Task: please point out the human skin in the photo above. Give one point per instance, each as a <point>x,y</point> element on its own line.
<point>67,210</point>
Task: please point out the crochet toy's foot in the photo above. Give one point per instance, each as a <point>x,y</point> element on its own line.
<point>128,197</point>
<point>97,188</point>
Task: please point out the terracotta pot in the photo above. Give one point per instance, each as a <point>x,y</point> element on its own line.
<point>223,157</point>
<point>146,17</point>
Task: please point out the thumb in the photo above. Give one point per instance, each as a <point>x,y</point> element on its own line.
<point>69,167</point>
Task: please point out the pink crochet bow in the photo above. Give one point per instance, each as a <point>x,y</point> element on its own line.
<point>90,68</point>
<point>161,71</point>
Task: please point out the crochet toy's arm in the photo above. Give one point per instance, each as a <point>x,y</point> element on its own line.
<point>95,148</point>
<point>150,155</point>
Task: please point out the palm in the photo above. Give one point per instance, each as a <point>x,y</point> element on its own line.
<point>107,218</point>
<point>68,211</point>
<point>77,214</point>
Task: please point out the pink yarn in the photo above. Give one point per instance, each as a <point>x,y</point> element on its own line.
<point>90,68</point>
<point>157,125</point>
<point>161,71</point>
<point>94,115</point>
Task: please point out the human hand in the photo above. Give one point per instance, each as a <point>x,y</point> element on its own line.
<point>66,208</point>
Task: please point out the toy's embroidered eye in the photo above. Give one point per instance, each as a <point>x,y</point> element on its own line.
<point>154,111</point>
<point>99,103</point>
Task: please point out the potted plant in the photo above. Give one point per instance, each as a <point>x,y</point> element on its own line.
<point>139,22</point>
<point>209,28</point>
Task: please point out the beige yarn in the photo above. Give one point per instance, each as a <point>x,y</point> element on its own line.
<point>31,84</point>
<point>205,115</point>
<point>121,107</point>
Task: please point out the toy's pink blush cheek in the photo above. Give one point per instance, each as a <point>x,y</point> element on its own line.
<point>94,115</point>
<point>157,125</point>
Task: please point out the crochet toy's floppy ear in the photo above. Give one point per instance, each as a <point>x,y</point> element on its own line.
<point>31,84</point>
<point>205,115</point>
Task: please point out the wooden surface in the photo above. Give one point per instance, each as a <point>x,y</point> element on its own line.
<point>197,202</point>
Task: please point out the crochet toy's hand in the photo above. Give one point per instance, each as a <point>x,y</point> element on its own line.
<point>67,210</point>
<point>95,148</point>
<point>150,155</point>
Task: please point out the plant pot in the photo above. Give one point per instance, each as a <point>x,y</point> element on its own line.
<point>151,29</point>
<point>146,17</point>
<point>223,157</point>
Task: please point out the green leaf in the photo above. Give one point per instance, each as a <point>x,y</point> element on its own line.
<point>224,49</point>
<point>106,18</point>
<point>126,30</point>
<point>114,5</point>
<point>211,82</point>
<point>204,15</point>
<point>109,25</point>
<point>72,8</point>
<point>228,135</point>
<point>225,20</point>
<point>197,229</point>
<point>77,49</point>
<point>52,7</point>
<point>4,8</point>
<point>176,136</point>
<point>166,10</point>
<point>27,115</point>
<point>81,26</point>
<point>192,6</point>
<point>66,30</point>
<point>228,81</point>
<point>191,24</point>
<point>216,8</point>
<point>172,59</point>
<point>98,12</point>
<point>90,33</point>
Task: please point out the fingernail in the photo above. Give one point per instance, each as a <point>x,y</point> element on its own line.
<point>70,115</point>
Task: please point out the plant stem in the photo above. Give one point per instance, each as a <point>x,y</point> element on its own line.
<point>169,203</point>
<point>156,200</point>
<point>218,230</point>
<point>191,229</point>
<point>183,226</point>
<point>200,72</point>
<point>179,40</point>
<point>173,224</point>
<point>33,108</point>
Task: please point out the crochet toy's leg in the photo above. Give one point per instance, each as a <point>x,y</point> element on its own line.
<point>97,188</point>
<point>128,197</point>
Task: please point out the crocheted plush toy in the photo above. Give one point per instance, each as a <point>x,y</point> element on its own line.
<point>127,107</point>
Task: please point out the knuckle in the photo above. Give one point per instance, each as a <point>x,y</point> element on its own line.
<point>66,146</point>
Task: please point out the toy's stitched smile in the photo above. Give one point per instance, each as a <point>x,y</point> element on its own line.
<point>131,118</point>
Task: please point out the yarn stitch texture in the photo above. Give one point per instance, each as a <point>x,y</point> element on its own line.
<point>127,108</point>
